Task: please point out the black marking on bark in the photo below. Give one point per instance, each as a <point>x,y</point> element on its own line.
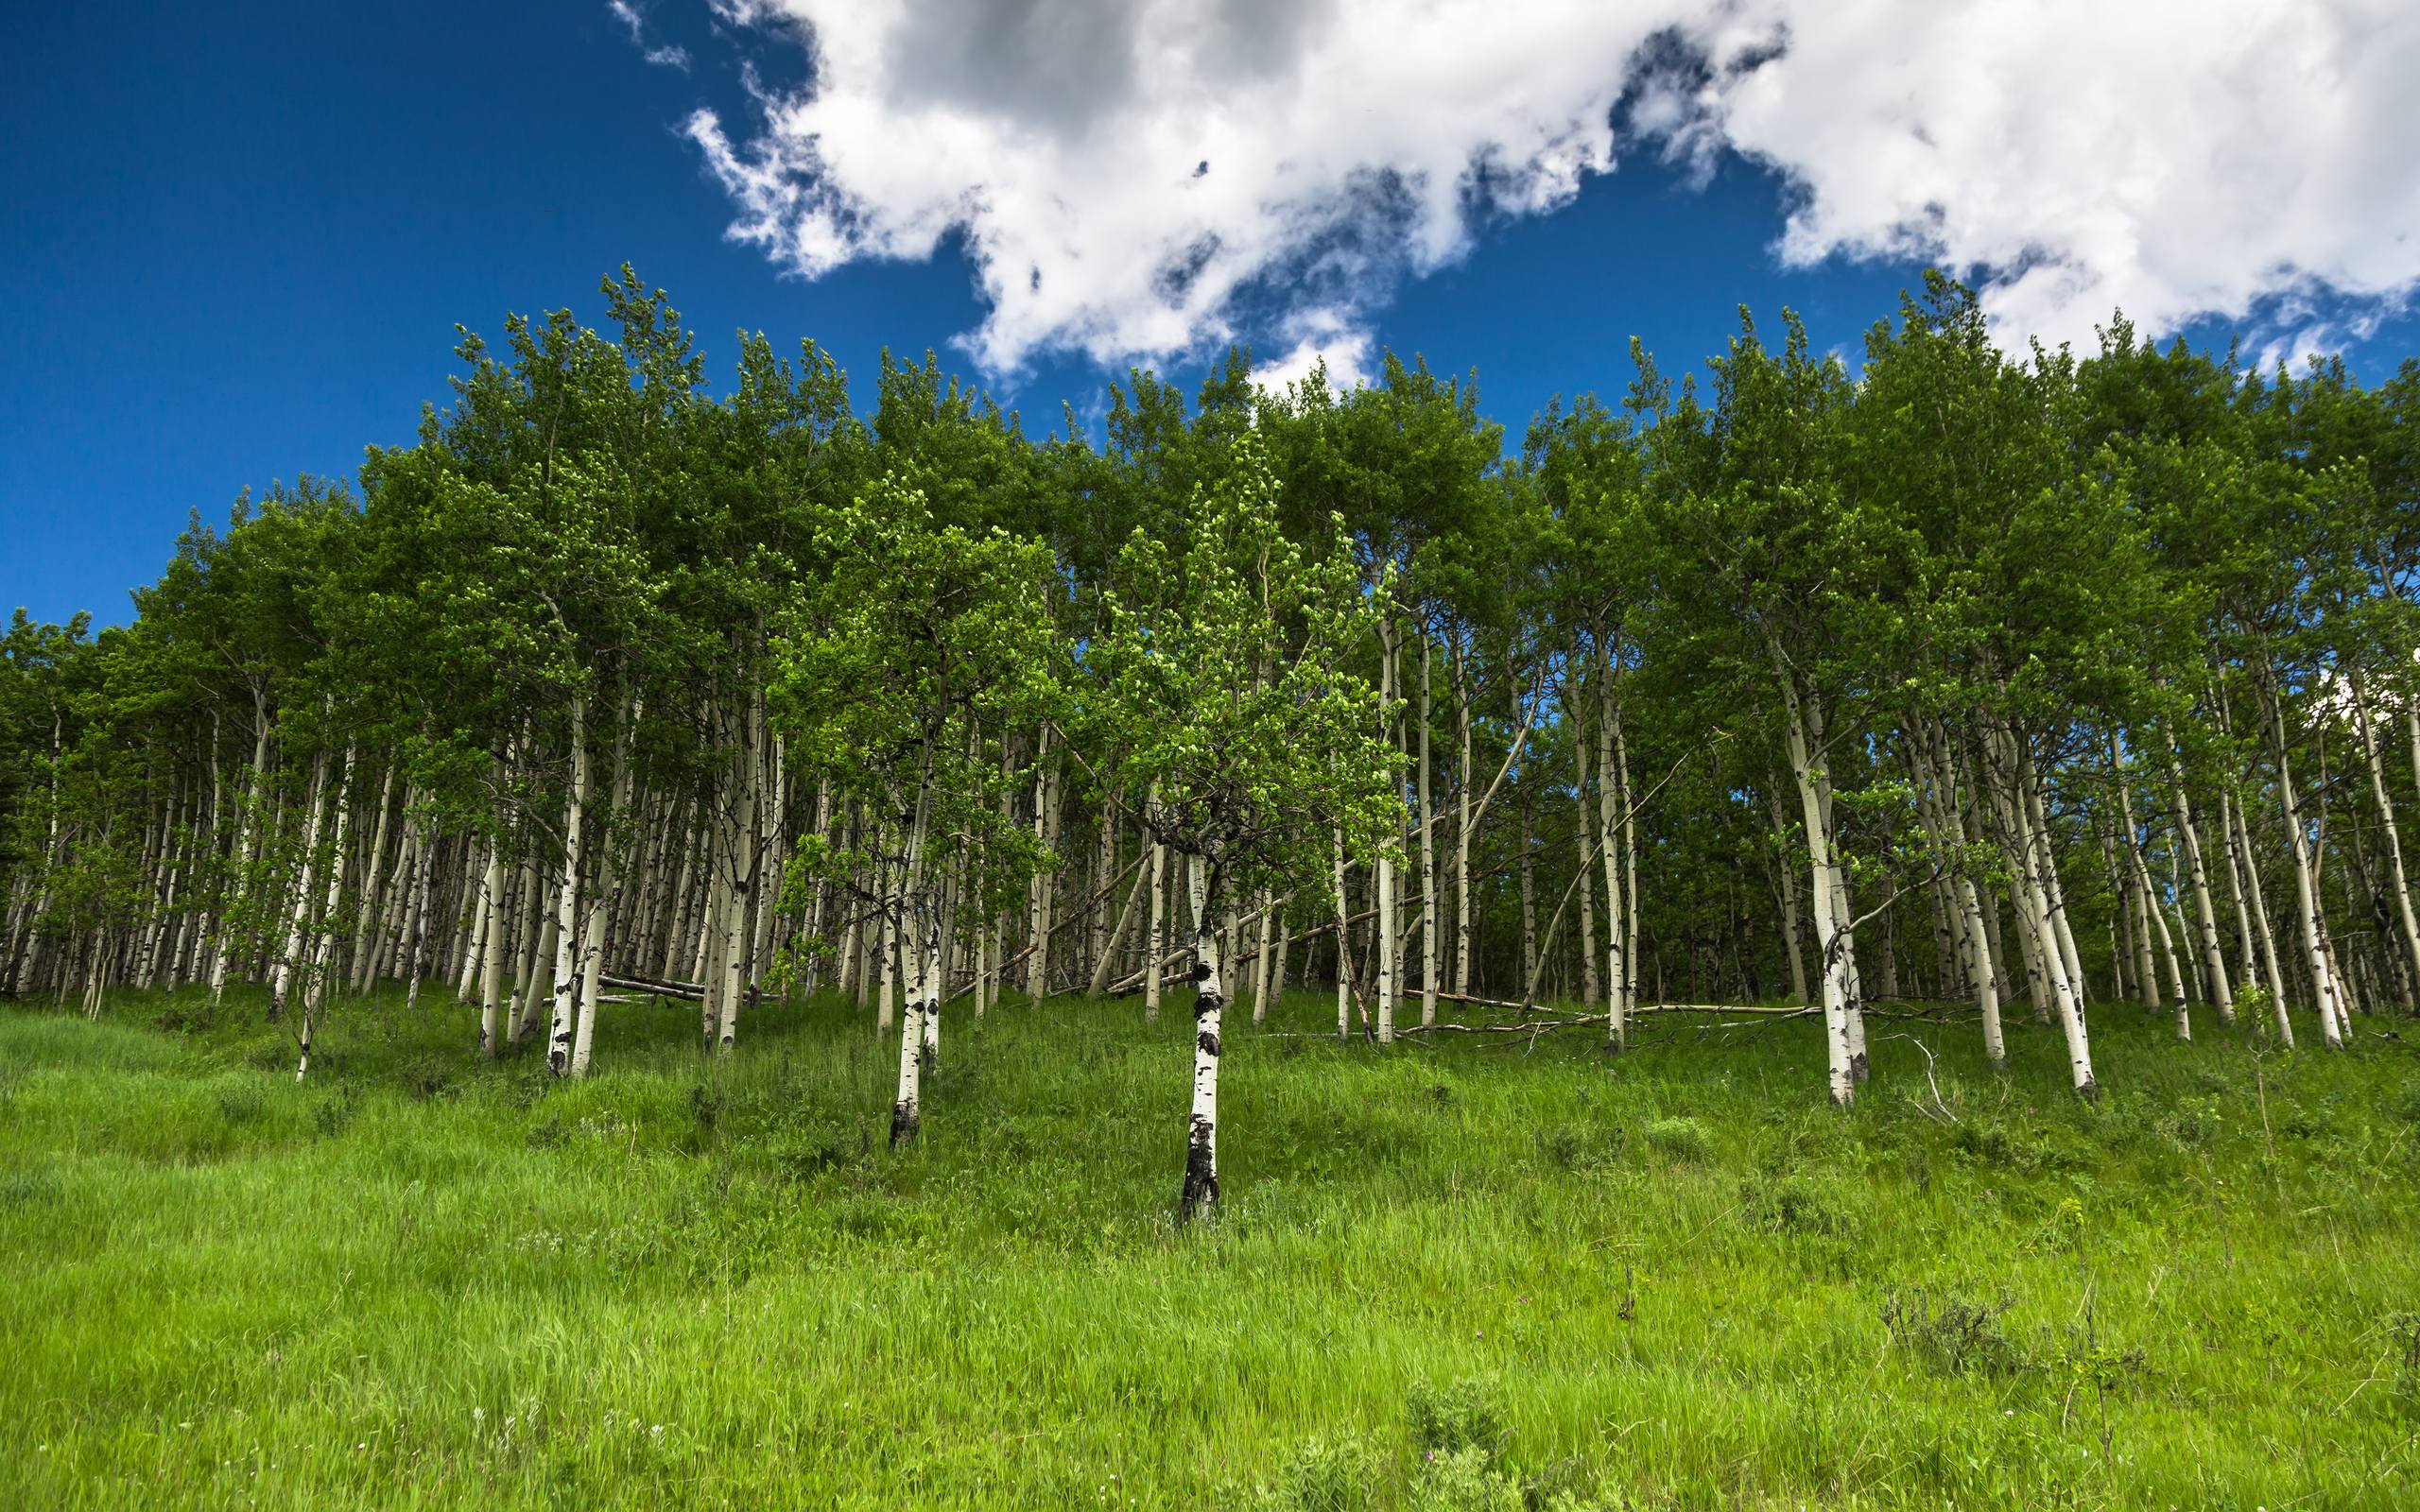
<point>1200,1172</point>
<point>1208,1043</point>
<point>1857,1071</point>
<point>1201,971</point>
<point>903,1121</point>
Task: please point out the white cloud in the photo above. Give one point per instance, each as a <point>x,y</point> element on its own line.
<point>1325,335</point>
<point>2177,157</point>
<point>1136,178</point>
<point>667,56</point>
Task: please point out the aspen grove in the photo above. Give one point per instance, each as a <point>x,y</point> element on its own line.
<point>2045,687</point>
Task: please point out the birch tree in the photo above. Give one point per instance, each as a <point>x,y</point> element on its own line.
<point>1221,690</point>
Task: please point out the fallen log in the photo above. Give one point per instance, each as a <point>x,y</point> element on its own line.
<point>1535,1025</point>
<point>691,990</point>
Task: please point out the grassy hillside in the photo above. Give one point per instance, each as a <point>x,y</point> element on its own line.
<point>1477,1274</point>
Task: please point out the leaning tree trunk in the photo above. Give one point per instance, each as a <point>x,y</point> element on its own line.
<point>2402,888</point>
<point>281,979</point>
<point>1977,930</point>
<point>1835,943</point>
<point>2032,887</point>
<point>607,883</point>
<point>2155,916</point>
<point>2324,983</point>
<point>2205,906</point>
<point>2248,883</point>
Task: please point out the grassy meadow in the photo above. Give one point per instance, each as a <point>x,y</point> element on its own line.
<point>1480,1274</point>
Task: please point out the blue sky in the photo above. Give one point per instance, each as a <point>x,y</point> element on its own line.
<point>238,244</point>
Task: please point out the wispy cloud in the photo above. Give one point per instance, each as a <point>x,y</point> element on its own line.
<point>667,55</point>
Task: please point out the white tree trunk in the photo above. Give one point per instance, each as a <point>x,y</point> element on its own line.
<point>1264,944</point>
<point>1382,871</point>
<point>1588,836</point>
<point>323,927</point>
<point>1610,822</point>
<point>374,892</point>
<point>1461,826</point>
<point>2036,879</point>
<point>283,974</point>
<point>567,922</point>
<point>1344,940</point>
<point>906,1108</point>
<point>2314,940</point>
<point>1836,944</point>
<point>1155,941</point>
<point>2402,887</point>
<point>2158,916</point>
<point>1431,916</point>
<point>1201,1189</point>
<point>2205,906</point>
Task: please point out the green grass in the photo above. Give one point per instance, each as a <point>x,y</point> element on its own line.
<point>1476,1275</point>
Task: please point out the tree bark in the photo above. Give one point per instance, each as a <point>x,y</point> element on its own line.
<point>1200,1190</point>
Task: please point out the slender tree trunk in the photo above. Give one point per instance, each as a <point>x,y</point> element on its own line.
<point>1106,966</point>
<point>1262,944</point>
<point>1835,943</point>
<point>608,884</point>
<point>2400,885</point>
<point>281,979</point>
<point>323,927</point>
<point>914,934</point>
<point>1383,869</point>
<point>2265,936</point>
<point>2157,915</point>
<point>374,891</point>
<point>1792,949</point>
<point>1975,931</point>
<point>1587,837</point>
<point>1156,946</point>
<point>2314,940</point>
<point>1463,825</point>
<point>2214,961</point>
<point>1200,1190</point>
<point>906,1108</point>
<point>567,922</point>
<point>491,951</point>
<point>1343,941</point>
<point>1430,915</point>
<point>1620,970</point>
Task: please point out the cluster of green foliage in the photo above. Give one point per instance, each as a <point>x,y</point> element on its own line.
<point>2144,543</point>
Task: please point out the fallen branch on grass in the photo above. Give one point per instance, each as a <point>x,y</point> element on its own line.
<point>691,990</point>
